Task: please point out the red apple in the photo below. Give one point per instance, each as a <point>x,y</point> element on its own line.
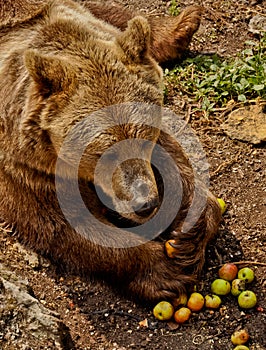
<point>182,315</point>
<point>228,272</point>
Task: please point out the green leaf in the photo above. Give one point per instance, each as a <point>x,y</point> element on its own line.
<point>213,80</point>
<point>242,98</point>
<point>250,43</point>
<point>258,87</point>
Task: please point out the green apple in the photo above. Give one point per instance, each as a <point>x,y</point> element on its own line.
<point>241,347</point>
<point>212,301</point>
<point>228,272</point>
<point>195,301</point>
<point>247,299</point>
<point>163,311</point>
<point>246,274</point>
<point>222,205</point>
<point>237,287</point>
<point>240,337</point>
<point>220,287</point>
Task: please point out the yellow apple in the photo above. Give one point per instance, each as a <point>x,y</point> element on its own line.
<point>163,311</point>
<point>195,301</point>
<point>222,205</point>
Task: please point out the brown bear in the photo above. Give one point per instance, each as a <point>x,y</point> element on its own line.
<point>61,65</point>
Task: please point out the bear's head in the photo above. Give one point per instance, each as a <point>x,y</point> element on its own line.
<point>109,93</point>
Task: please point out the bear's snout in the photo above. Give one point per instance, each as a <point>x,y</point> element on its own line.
<point>144,202</point>
<point>135,192</point>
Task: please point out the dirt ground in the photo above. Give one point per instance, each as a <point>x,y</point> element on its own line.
<point>98,317</point>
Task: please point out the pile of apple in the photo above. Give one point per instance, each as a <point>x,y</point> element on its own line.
<point>231,280</point>
<point>239,279</point>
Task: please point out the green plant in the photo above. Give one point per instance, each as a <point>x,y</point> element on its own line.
<point>214,81</point>
<point>174,8</point>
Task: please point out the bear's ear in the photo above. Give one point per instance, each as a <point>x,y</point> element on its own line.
<point>135,40</point>
<point>51,73</point>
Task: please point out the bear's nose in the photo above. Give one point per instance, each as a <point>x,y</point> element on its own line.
<point>144,201</point>
<point>147,208</point>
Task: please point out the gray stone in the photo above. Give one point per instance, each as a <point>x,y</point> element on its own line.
<point>24,322</point>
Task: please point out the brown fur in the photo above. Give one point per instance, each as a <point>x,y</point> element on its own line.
<point>55,69</point>
<point>170,36</point>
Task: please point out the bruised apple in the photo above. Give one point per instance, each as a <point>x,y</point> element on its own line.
<point>240,337</point>
<point>212,301</point>
<point>237,287</point>
<point>246,274</point>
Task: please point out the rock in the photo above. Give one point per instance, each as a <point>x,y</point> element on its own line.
<point>257,24</point>
<point>247,124</point>
<point>30,257</point>
<point>24,322</point>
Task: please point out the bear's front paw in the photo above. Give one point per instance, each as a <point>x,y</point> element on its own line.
<point>162,278</point>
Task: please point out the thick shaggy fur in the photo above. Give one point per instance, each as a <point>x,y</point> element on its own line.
<point>58,64</point>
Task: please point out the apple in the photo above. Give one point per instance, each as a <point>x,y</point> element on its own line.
<point>222,205</point>
<point>195,301</point>
<point>247,299</point>
<point>246,274</point>
<point>240,337</point>
<point>220,287</point>
<point>241,347</point>
<point>163,311</point>
<point>170,248</point>
<point>237,287</point>
<point>182,300</point>
<point>182,315</point>
<point>228,272</point>
<point>212,301</point>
